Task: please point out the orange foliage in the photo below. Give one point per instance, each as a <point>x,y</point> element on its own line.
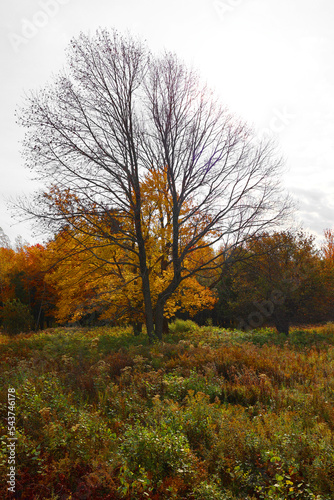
<point>106,279</point>
<point>22,276</point>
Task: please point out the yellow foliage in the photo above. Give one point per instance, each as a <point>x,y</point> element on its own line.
<point>107,279</point>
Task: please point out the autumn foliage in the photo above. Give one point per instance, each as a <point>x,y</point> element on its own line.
<point>277,279</point>
<point>22,281</point>
<point>281,279</point>
<point>107,281</point>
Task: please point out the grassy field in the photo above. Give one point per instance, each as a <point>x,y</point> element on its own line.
<point>206,414</point>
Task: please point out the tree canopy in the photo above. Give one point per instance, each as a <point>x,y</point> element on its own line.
<point>281,280</point>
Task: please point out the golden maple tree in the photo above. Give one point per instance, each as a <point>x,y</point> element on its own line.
<point>107,279</point>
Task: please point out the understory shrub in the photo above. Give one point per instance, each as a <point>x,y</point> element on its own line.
<point>181,326</point>
<point>160,451</point>
<point>16,317</point>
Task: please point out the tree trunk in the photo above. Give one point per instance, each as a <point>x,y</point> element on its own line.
<point>282,322</point>
<point>165,326</point>
<point>143,268</point>
<point>159,319</point>
<point>148,307</point>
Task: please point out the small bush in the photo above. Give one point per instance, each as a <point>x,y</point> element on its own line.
<point>161,451</point>
<point>181,326</point>
<point>16,317</point>
<point>209,491</point>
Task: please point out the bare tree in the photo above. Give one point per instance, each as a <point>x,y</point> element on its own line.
<point>4,240</point>
<point>119,112</point>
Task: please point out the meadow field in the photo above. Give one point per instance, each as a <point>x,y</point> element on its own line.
<point>207,414</point>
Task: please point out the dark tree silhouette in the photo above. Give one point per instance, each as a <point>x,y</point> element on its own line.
<point>118,111</point>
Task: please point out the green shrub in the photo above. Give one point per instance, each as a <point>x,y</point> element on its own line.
<point>181,326</point>
<point>210,491</point>
<point>200,420</point>
<point>16,317</point>
<point>160,451</point>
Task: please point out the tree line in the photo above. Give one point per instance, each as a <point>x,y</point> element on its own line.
<point>277,279</point>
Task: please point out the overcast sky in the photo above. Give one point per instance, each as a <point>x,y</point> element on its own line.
<point>271,61</point>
